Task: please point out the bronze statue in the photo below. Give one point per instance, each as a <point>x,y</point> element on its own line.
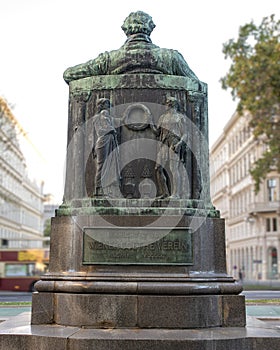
<point>105,150</point>
<point>149,71</point>
<point>172,153</point>
<point>137,55</point>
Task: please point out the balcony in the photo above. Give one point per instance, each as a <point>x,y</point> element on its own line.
<point>265,207</point>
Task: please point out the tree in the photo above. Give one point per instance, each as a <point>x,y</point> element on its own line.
<point>47,228</point>
<point>254,80</point>
<point>7,126</point>
<point>47,231</point>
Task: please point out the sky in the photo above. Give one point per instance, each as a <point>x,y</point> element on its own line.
<point>41,38</point>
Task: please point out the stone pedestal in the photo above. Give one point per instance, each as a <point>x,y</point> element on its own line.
<point>196,292</point>
<point>129,257</point>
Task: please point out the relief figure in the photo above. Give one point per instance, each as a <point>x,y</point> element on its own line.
<point>171,130</point>
<point>105,150</point>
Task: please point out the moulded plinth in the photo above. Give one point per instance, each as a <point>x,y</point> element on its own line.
<point>142,311</point>
<point>196,293</point>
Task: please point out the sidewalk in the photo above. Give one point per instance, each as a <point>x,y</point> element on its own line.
<point>263,311</point>
<point>8,311</point>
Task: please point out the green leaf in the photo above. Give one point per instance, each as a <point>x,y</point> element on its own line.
<point>254,79</point>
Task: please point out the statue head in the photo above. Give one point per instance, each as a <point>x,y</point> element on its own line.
<point>138,22</point>
<point>103,103</point>
<point>172,102</point>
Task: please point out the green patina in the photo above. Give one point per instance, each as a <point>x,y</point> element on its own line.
<point>138,71</point>
<point>110,206</point>
<point>137,245</point>
<point>137,55</point>
<point>135,81</point>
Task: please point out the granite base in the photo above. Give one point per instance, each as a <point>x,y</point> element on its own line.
<point>141,311</point>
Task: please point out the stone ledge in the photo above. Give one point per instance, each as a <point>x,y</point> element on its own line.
<point>146,211</point>
<point>112,206</point>
<point>135,81</point>
<point>92,285</point>
<point>130,311</point>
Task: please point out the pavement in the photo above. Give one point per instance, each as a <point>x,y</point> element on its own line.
<point>263,311</point>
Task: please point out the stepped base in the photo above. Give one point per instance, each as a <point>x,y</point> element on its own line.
<point>18,334</point>
<point>188,288</point>
<point>140,311</point>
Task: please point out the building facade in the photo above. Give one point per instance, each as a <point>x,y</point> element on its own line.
<point>21,200</point>
<point>252,220</point>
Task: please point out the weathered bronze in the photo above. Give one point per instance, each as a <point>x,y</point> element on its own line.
<point>105,150</point>
<point>118,246</point>
<point>162,153</point>
<point>173,134</point>
<point>137,55</point>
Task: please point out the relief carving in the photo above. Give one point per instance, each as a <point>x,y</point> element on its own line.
<point>105,150</point>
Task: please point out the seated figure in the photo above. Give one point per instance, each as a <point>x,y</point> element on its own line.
<point>137,55</point>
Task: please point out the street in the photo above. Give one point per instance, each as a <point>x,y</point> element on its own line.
<point>15,296</point>
<point>261,294</point>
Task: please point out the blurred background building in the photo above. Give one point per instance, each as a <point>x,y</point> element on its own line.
<point>24,212</point>
<point>21,200</point>
<point>252,220</point>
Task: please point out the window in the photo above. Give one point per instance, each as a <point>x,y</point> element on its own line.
<point>268,225</point>
<point>13,270</point>
<point>271,183</point>
<point>4,243</point>
<point>274,224</point>
<point>271,224</point>
<point>271,186</point>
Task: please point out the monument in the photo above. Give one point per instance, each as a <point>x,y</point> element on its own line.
<point>137,229</point>
<point>137,255</point>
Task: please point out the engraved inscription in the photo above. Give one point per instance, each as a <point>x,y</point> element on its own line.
<point>136,246</point>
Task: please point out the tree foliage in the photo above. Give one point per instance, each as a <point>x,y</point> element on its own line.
<point>47,228</point>
<point>254,80</point>
<point>7,125</point>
